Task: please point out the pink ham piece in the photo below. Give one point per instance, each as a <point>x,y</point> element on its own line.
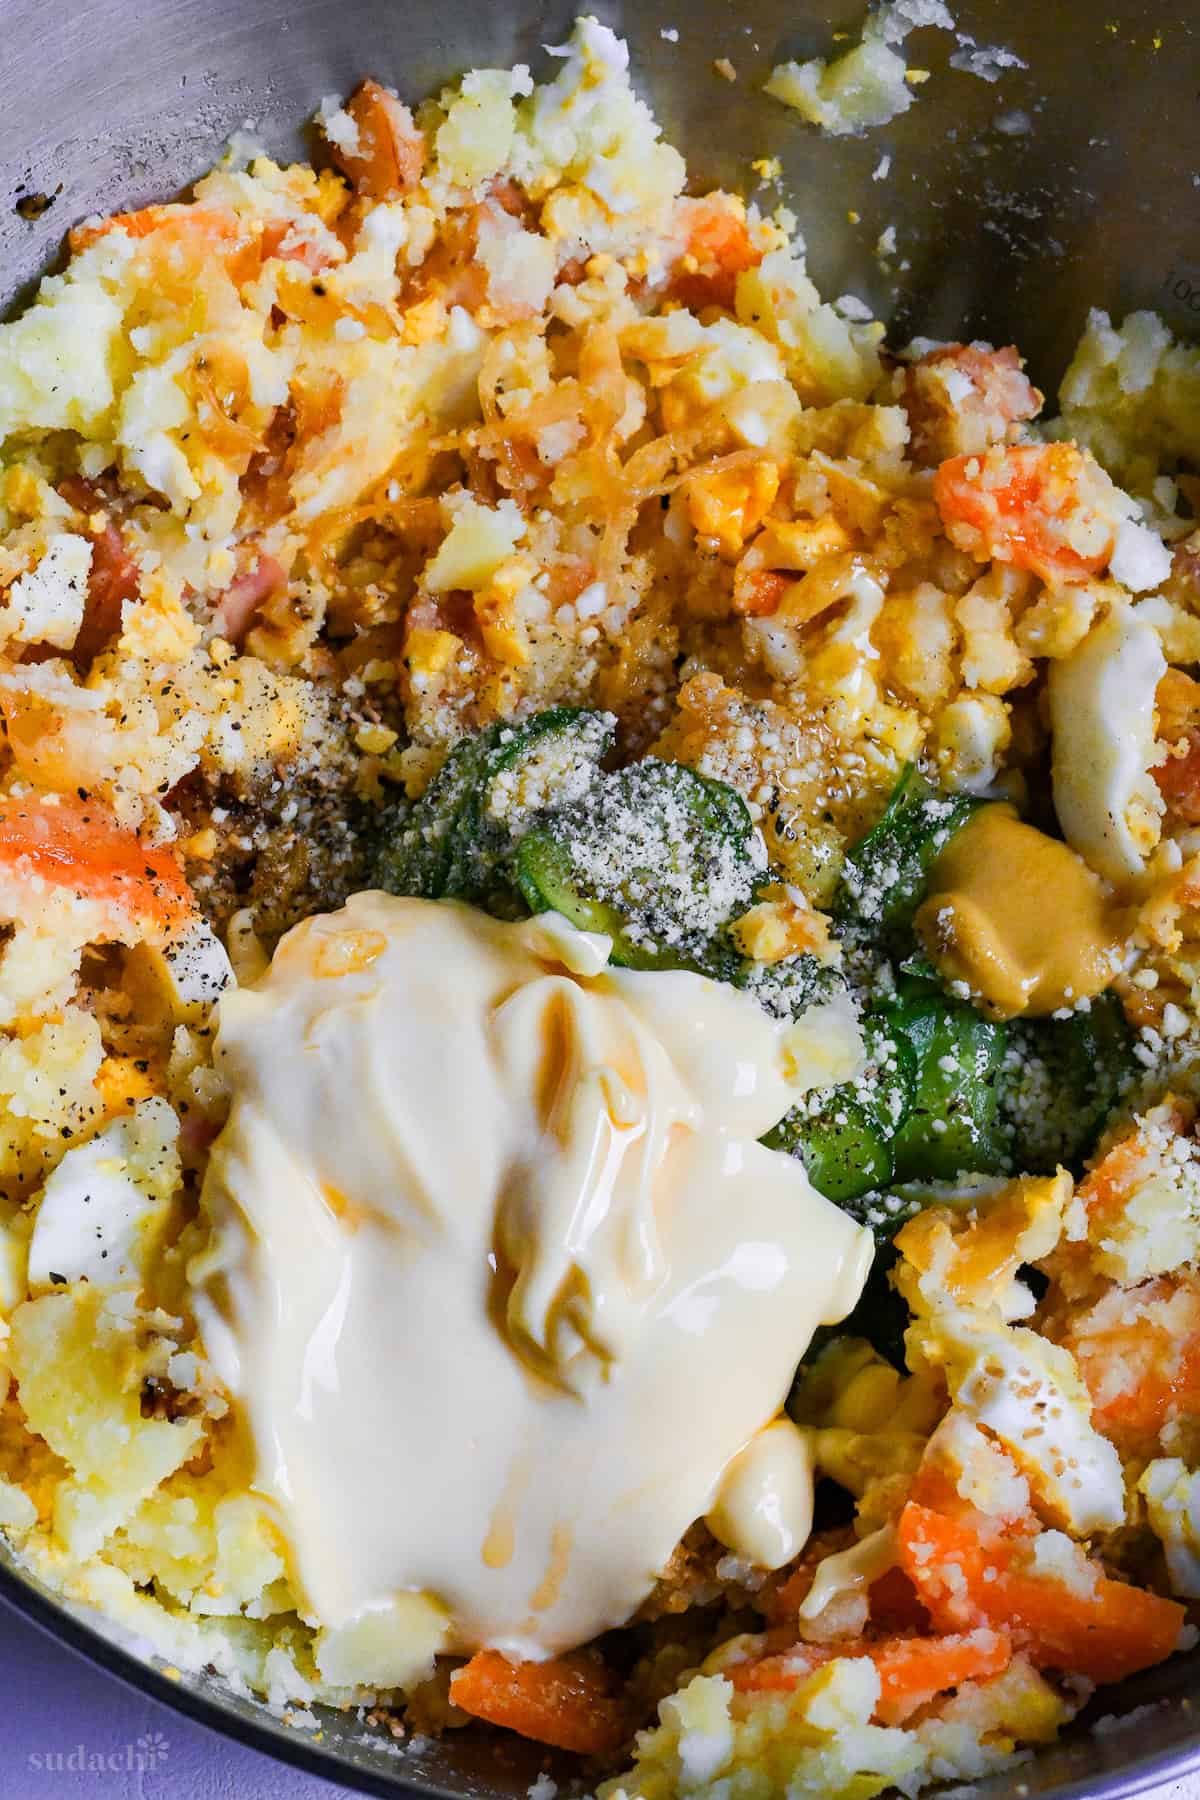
<point>244,595</point>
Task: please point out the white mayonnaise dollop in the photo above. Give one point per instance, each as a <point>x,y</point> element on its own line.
<point>506,1281</point>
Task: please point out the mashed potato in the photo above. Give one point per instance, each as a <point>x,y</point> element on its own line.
<point>311,477</point>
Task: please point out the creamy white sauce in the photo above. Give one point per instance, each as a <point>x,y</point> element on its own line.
<point>764,1506</point>
<point>507,1281</point>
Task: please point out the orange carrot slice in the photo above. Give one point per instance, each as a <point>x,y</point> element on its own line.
<point>763,594</point>
<point>1037,506</point>
<point>567,1702</point>
<point>276,234</point>
<point>1179,781</point>
<point>77,845</point>
<point>391,151</point>
<point>1105,1633</point>
<point>1138,1351</point>
<point>783,1671</point>
<point>178,222</point>
<point>912,1669</point>
<point>718,249</point>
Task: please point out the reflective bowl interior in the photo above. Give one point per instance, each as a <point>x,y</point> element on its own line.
<point>1016,205</point>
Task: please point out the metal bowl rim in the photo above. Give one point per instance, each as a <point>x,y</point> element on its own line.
<point>296,1748</point>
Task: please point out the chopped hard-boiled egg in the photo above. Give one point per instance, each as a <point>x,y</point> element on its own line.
<point>1172,1494</point>
<point>479,540</point>
<point>305,482</point>
<point>182,978</point>
<point>107,1203</point>
<point>1103,724</point>
<point>1028,1394</point>
<point>46,605</point>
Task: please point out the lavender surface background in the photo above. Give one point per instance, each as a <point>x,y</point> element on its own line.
<point>53,1703</point>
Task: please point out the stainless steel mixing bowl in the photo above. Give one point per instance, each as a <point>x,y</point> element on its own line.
<point>1070,182</point>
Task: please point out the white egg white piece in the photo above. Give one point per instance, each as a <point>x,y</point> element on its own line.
<point>183,977</point>
<point>1027,1394</point>
<point>1172,1495</point>
<point>104,1204</point>
<point>1102,721</point>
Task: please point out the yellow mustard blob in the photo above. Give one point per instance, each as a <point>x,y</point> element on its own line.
<point>1018,917</point>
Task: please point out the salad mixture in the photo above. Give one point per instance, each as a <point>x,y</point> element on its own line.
<point>599,928</point>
